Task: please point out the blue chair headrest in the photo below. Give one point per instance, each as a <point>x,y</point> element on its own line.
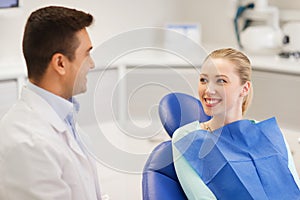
<point>178,109</point>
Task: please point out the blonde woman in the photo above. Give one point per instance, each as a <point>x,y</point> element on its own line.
<point>229,157</point>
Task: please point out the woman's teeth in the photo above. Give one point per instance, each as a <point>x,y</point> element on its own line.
<point>211,101</point>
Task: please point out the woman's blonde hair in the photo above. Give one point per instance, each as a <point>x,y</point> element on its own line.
<point>243,69</point>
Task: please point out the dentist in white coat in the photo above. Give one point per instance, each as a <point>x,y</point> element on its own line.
<point>41,155</point>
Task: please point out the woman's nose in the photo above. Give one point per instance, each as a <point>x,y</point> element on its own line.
<point>210,88</point>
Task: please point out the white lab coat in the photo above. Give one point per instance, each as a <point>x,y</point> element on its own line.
<point>39,158</point>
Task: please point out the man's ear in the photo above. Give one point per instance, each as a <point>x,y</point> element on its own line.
<point>58,63</point>
<point>245,89</point>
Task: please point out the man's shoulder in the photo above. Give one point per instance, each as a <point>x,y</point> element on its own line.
<point>22,122</point>
<point>19,112</point>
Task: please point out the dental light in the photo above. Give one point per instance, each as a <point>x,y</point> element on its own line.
<point>261,32</point>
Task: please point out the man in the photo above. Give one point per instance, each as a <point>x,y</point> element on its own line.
<point>41,156</point>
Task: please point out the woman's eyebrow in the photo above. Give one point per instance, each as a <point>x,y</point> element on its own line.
<point>203,74</point>
<point>221,75</point>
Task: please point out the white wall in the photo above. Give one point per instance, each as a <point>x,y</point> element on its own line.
<point>116,16</point>
<point>215,17</point>
<point>112,17</point>
<point>285,4</point>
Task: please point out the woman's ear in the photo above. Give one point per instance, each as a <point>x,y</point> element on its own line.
<point>58,63</point>
<point>245,89</point>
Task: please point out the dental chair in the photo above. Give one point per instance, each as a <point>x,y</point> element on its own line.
<point>160,181</point>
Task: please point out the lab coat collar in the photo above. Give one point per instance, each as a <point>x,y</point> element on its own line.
<point>60,105</point>
<point>40,105</point>
<point>44,109</point>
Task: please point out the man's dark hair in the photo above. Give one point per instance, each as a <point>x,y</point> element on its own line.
<point>51,30</point>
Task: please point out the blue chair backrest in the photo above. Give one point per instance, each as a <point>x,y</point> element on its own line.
<point>160,181</point>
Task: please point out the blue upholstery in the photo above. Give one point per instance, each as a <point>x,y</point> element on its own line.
<point>159,177</point>
<point>178,109</point>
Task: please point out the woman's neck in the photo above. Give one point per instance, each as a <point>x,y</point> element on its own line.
<point>218,121</point>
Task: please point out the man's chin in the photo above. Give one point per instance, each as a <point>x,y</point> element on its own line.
<point>78,91</point>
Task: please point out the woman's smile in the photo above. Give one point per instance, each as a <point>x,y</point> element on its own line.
<point>211,102</point>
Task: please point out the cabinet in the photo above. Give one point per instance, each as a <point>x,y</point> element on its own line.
<point>276,94</point>
<point>130,88</point>
<point>9,95</point>
<point>11,82</point>
<point>147,86</point>
<point>99,103</point>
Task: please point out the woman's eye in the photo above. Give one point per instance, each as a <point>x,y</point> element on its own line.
<point>221,81</point>
<point>203,80</point>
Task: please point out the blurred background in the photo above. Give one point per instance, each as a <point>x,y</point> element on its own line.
<point>139,59</point>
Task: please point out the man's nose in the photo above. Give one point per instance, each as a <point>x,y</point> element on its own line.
<point>91,63</point>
